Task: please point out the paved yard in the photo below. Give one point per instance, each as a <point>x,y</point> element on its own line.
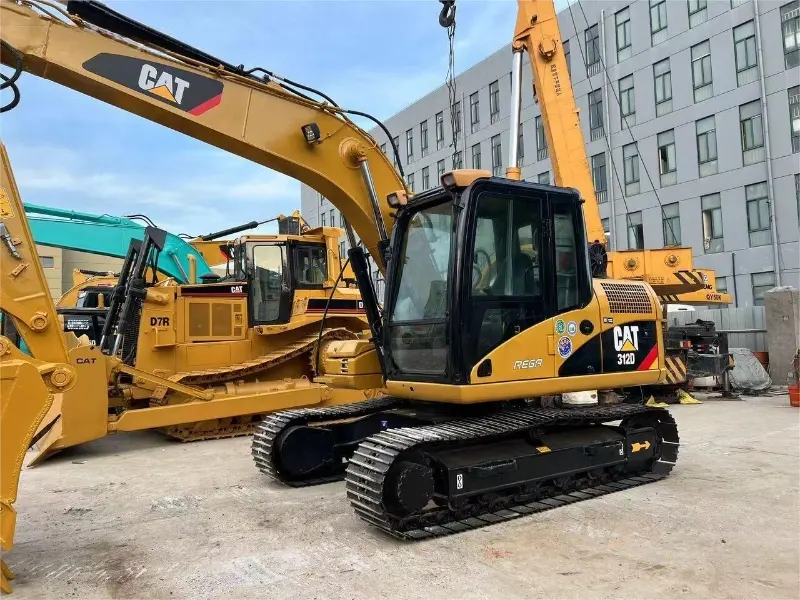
<point>147,517</point>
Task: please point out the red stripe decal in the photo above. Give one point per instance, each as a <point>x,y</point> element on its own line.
<point>649,359</point>
<point>206,106</point>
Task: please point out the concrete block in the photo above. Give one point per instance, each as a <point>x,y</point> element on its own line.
<point>782,310</point>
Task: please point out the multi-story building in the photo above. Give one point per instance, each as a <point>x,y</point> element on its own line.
<point>58,265</point>
<point>691,115</point>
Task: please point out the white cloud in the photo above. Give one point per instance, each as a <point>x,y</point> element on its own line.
<point>211,195</point>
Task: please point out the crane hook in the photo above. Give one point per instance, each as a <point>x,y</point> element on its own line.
<point>447,16</point>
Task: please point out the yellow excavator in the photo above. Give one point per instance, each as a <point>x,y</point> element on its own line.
<point>459,442</point>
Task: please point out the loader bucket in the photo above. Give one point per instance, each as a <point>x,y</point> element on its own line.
<point>24,400</point>
<point>80,414</point>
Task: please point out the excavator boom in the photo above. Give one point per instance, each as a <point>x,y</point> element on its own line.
<point>256,118</point>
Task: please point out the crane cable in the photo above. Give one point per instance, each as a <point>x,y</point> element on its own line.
<point>447,19</point>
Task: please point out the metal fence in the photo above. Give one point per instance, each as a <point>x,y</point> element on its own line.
<point>746,327</point>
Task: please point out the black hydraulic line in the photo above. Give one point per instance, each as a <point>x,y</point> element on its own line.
<point>144,218</point>
<point>11,82</point>
<point>325,313</point>
<point>385,130</point>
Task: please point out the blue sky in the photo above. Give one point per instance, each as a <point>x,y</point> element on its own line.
<point>72,151</point>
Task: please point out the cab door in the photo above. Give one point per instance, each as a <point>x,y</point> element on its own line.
<point>270,297</point>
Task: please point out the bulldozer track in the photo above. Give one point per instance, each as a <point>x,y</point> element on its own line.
<point>243,424</point>
<point>367,471</point>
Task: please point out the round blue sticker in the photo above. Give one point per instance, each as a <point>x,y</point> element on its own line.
<point>572,328</point>
<point>564,347</point>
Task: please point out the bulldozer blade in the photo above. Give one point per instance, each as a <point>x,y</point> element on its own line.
<point>24,400</point>
<point>78,415</point>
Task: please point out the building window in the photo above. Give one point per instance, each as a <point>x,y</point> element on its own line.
<point>455,114</point>
<point>426,178</point>
<point>635,231</point>
<point>497,156</point>
<point>410,146</point>
<point>341,249</point>
<point>790,25</point>
<point>623,22</point>
<point>541,140</point>
<point>627,101</point>
<point>48,262</point>
<point>752,132</point>
<point>758,214</point>
<point>599,176</point>
<point>410,182</point>
<point>606,224</point>
<point>333,218</point>
<point>596,130</point>
<point>630,158</point>
<point>671,223</point>
<point>592,38</point>
<point>439,171</point>
<point>662,76</point>
<point>322,219</point>
<point>658,21</point>
<point>395,150</point>
<point>383,147</point>
<point>322,198</point>
<point>762,283</point>
<point>474,113</point>
<point>667,166</point>
<point>520,147</point>
<point>721,283</point>
<point>423,137</point>
<point>794,117</point>
<point>544,178</point>
<point>494,101</point>
<point>706,146</point>
<point>565,46</point>
<point>476,156</point>
<point>701,71</point>
<point>735,3</point>
<point>439,130</point>
<point>712,223</point>
<point>458,160</point>
<point>697,12</point>
<point>744,44</point>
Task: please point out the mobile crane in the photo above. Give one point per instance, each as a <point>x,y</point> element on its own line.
<point>456,440</point>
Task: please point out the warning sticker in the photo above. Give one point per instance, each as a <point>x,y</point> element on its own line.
<point>6,211</point>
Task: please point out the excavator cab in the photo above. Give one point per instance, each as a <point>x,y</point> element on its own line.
<point>472,265</point>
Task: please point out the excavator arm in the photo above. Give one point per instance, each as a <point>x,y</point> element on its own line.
<point>162,80</point>
<point>108,236</point>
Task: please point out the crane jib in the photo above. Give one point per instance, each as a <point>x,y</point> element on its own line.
<point>186,90</point>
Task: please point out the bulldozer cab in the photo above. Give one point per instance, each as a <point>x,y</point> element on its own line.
<point>274,270</point>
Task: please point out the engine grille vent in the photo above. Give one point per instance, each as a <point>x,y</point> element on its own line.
<point>627,298</point>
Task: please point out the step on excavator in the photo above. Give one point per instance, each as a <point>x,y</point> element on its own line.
<point>458,442</point>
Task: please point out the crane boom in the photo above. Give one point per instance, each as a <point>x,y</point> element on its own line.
<point>537,32</point>
<point>259,120</point>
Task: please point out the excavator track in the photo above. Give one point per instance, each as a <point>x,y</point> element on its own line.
<point>374,474</point>
<point>263,448</point>
<point>243,424</point>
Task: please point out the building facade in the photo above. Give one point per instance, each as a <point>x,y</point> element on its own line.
<point>58,265</point>
<point>690,110</point>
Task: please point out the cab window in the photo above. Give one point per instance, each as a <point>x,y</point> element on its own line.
<point>311,266</point>
<point>267,282</point>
